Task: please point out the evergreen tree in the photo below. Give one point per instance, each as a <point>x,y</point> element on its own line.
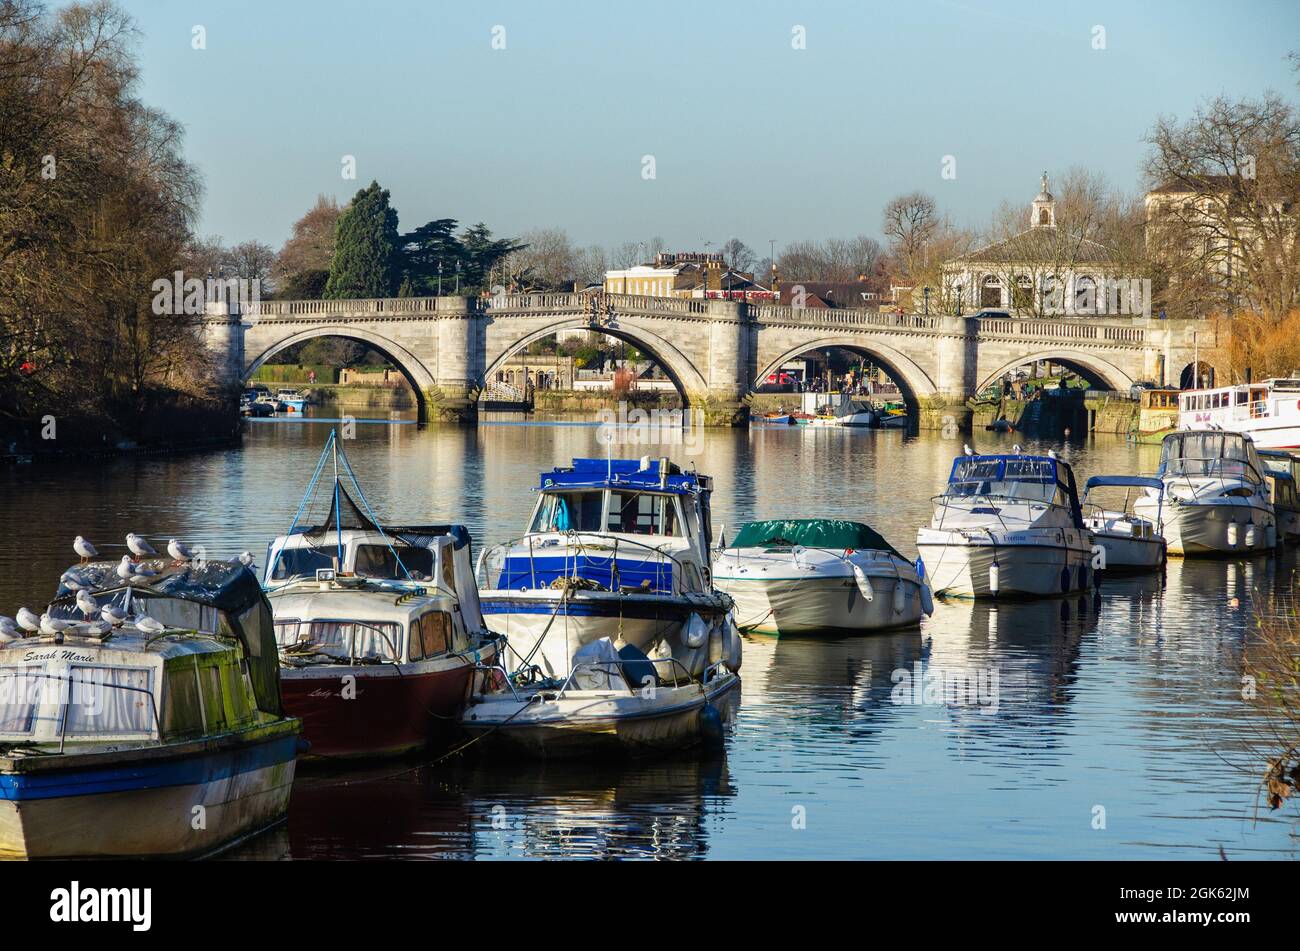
<point>366,248</point>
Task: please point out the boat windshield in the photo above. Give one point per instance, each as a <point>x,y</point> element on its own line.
<point>642,513</point>
<point>302,562</point>
<point>367,640</point>
<point>569,511</point>
<point>1218,455</point>
<point>1032,480</point>
<point>378,561</point>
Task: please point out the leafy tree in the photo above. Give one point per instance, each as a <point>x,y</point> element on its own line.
<point>366,243</point>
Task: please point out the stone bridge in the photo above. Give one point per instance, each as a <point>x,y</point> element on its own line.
<point>716,352</point>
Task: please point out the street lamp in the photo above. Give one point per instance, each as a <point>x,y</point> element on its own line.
<point>439,278</point>
<point>457,277</point>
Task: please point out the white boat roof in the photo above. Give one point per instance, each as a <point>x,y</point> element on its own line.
<point>307,601</point>
<point>124,640</point>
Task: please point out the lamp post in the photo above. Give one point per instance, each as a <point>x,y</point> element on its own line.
<point>439,278</point>
<point>457,277</point>
<point>925,294</point>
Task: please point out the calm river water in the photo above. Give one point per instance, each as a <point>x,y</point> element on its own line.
<point>1119,729</point>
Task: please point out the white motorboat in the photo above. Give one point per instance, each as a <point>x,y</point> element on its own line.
<point>1007,526</point>
<point>799,576</point>
<point>1127,541</point>
<point>1268,411</point>
<point>616,638</point>
<point>1215,495</point>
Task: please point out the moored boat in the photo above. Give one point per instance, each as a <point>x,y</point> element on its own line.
<point>1007,526</point>
<point>148,725</point>
<point>1215,495</point>
<point>609,592</point>
<point>379,629</point>
<point>291,401</point>
<point>1128,542</point>
<point>1280,471</point>
<point>800,576</point>
<point>1268,411</point>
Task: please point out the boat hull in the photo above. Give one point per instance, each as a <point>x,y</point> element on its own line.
<point>1024,570</point>
<point>112,806</point>
<point>1202,529</point>
<point>386,710</point>
<point>1123,553</point>
<point>601,723</point>
<point>820,605</point>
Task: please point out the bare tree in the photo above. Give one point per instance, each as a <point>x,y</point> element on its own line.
<point>910,222</point>
<point>311,246</point>
<point>836,259</point>
<point>547,261</point>
<point>737,255</point>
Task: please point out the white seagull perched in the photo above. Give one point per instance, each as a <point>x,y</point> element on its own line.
<point>149,625</point>
<point>29,620</point>
<point>113,614</point>
<point>54,625</point>
<point>86,604</point>
<point>7,630</point>
<point>967,449</point>
<point>246,559</point>
<point>139,545</point>
<point>125,568</point>
<point>72,581</point>
<point>84,548</point>
<point>179,551</point>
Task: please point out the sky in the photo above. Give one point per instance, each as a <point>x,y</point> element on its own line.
<point>750,137</point>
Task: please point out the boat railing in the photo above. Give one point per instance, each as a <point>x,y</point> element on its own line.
<point>497,554</point>
<point>66,702</point>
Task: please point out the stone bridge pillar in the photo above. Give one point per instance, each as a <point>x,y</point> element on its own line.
<point>731,364</point>
<point>956,367</point>
<point>454,398</point>
<point>223,335</point>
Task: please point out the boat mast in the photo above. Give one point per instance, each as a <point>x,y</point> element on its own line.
<point>338,514</point>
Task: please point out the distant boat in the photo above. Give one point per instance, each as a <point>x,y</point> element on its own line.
<point>777,419</point>
<point>1130,542</point>
<point>291,401</point>
<point>1281,469</point>
<point>116,740</point>
<point>1268,412</point>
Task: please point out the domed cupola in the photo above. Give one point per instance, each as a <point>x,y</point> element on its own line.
<point>1043,214</point>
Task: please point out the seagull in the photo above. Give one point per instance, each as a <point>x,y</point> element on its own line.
<point>87,604</point>
<point>1051,453</point>
<point>965,447</point>
<point>72,581</point>
<point>148,625</point>
<point>1016,449</point>
<point>179,551</point>
<point>113,614</point>
<point>54,625</point>
<point>246,559</point>
<point>7,630</point>
<point>139,545</point>
<point>84,548</point>
<point>125,569</point>
<point>29,620</point>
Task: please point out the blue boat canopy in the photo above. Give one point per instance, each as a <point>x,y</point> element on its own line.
<point>1145,482</point>
<point>624,473</point>
<point>974,474</point>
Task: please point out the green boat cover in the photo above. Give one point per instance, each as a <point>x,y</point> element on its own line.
<point>810,533</point>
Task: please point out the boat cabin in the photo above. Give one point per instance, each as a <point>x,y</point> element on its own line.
<point>1212,454</point>
<point>1231,406</point>
<point>991,481</point>
<point>213,672</point>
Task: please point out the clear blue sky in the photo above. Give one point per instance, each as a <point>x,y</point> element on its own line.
<point>751,138</point>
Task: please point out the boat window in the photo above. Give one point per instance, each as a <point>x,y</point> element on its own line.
<point>448,569</point>
<point>378,561</point>
<point>435,633</point>
<point>366,640</point>
<point>21,690</point>
<point>643,513</point>
<point>569,511</point>
<point>1214,455</point>
<point>110,700</point>
<point>302,562</point>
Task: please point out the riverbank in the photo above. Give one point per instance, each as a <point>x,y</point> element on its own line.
<point>179,427</point>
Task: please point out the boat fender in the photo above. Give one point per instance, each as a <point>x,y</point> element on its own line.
<point>1251,535</point>
<point>717,643</point>
<point>864,583</point>
<point>920,568</point>
<point>1232,534</point>
<point>900,596</point>
<point>735,646</point>
<point>710,725</point>
<point>927,599</point>
<point>696,632</point>
<point>994,570</point>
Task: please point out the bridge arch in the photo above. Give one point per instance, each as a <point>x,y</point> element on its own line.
<point>690,383</point>
<point>913,382</point>
<point>409,365</point>
<point>1088,365</point>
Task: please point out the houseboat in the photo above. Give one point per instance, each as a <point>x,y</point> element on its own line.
<point>1157,414</point>
<point>1268,412</point>
<point>151,729</point>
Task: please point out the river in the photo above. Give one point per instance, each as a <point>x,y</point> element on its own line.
<point>1119,728</point>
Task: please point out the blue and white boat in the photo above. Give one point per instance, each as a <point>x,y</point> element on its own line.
<point>609,591</point>
<point>154,729</point>
<point>1007,526</point>
<point>291,401</point>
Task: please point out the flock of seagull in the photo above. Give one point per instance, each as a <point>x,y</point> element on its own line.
<point>129,569</point>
